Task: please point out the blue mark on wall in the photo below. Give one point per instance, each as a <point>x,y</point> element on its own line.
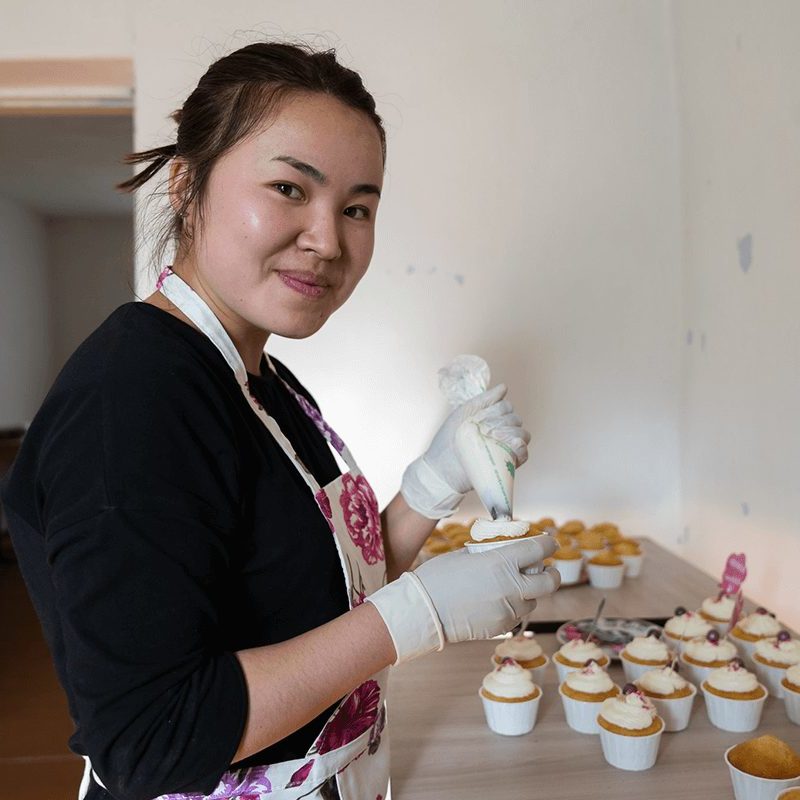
<point>410,269</point>
<point>746,509</point>
<point>459,279</point>
<point>745,245</point>
<point>689,337</point>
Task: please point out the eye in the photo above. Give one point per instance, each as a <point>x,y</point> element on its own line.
<point>357,212</point>
<point>289,190</point>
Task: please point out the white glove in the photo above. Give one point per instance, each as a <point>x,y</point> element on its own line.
<point>461,596</point>
<point>435,483</point>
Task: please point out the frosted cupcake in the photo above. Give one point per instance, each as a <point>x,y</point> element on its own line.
<point>631,554</point>
<point>671,694</point>
<point>574,655</point>
<point>582,692</point>
<point>762,768</point>
<point>606,570</point>
<point>568,561</point>
<point>644,653</point>
<point>704,654</point>
<point>486,534</point>
<point>684,626</point>
<point>510,699</point>
<point>526,651</point>
<point>772,657</point>
<point>753,628</point>
<point>791,693</point>
<point>630,730</point>
<point>718,611</point>
<point>734,698</point>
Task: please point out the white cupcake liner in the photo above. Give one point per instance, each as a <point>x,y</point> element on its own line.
<point>736,716</point>
<point>538,673</point>
<point>482,547</point>
<point>633,753</point>
<point>581,714</point>
<point>605,577</point>
<point>511,719</point>
<point>634,671</point>
<point>720,627</point>
<point>562,670</point>
<point>771,677</point>
<point>676,645</point>
<point>569,568</point>
<point>633,565</point>
<point>676,711</point>
<point>751,787</point>
<point>587,554</point>
<point>694,673</point>
<point>791,701</point>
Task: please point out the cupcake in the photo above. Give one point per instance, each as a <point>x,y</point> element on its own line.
<point>772,657</point>
<point>734,698</point>
<point>486,534</point>
<point>510,699</point>
<point>762,767</point>
<point>609,530</point>
<point>644,653</point>
<point>753,628</point>
<point>547,524</point>
<point>606,570</point>
<point>582,692</point>
<point>526,651</point>
<point>684,626</point>
<point>791,693</point>
<point>631,554</point>
<point>718,611</point>
<point>704,654</point>
<point>630,730</point>
<point>590,543</point>
<point>569,562</point>
<point>573,527</point>
<point>788,794</point>
<point>671,694</point>
<point>574,655</point>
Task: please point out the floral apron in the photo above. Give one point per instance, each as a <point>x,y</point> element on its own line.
<point>351,753</point>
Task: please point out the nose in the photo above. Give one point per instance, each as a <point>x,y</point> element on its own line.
<point>321,235</point>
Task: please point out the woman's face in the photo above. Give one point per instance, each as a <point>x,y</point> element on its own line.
<point>289,220</point>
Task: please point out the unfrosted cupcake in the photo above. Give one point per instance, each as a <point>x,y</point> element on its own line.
<point>572,527</point>
<point>590,543</point>
<point>486,534</point>
<point>526,651</point>
<point>704,654</point>
<point>791,693</point>
<point>772,657</point>
<point>751,629</point>
<point>606,570</point>
<point>581,694</point>
<point>510,699</point>
<point>718,611</point>
<point>609,530</point>
<point>630,730</point>
<point>568,560</point>
<point>734,698</point>
<point>574,655</point>
<point>644,653</point>
<point>671,694</point>
<point>763,768</point>
<point>684,626</point>
<point>630,551</point>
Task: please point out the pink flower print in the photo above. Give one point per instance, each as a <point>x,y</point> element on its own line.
<point>377,730</point>
<point>356,714</point>
<point>324,503</point>
<point>160,282</point>
<point>361,516</point>
<point>314,415</point>
<point>299,777</point>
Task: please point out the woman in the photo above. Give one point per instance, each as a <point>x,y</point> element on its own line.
<point>198,562</point>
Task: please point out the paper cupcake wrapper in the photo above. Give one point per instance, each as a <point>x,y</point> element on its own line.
<point>633,753</point>
<point>676,645</point>
<point>581,715</point>
<point>694,673</point>
<point>633,565</point>
<point>791,701</point>
<point>511,719</point>
<point>737,716</point>
<point>771,677</point>
<point>570,569</point>
<point>751,787</point>
<point>676,712</point>
<point>746,650</point>
<point>605,577</point>
<point>634,671</point>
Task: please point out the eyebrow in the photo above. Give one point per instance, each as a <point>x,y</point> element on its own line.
<point>321,179</point>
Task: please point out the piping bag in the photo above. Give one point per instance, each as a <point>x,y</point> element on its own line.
<point>489,463</point>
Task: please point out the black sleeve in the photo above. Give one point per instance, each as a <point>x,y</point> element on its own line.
<point>140,505</point>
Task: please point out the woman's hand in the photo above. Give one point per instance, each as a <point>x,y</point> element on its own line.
<point>435,483</point>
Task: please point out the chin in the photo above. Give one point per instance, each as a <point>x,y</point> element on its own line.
<point>297,328</point>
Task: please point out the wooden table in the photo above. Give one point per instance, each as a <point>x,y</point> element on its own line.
<point>442,748</point>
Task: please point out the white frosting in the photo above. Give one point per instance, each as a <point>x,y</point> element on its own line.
<point>760,625</point>
<point>719,609</point>
<point>793,675</point>
<point>520,648</point>
<point>687,626</point>
<point>509,680</point>
<point>787,652</point>
<point>490,528</point>
<point>647,648</point>
<point>662,681</point>
<point>632,711</point>
<point>700,649</point>
<point>732,679</point>
<point>578,651</point>
<point>592,679</point>
<point>463,378</point>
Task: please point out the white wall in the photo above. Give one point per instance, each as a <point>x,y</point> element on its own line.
<point>740,109</point>
<point>24,318</point>
<point>530,214</point>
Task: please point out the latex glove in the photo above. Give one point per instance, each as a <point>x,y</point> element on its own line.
<point>461,596</point>
<point>435,483</point>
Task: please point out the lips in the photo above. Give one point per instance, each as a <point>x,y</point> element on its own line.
<point>306,283</point>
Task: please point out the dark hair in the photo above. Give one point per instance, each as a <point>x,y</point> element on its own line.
<point>238,93</point>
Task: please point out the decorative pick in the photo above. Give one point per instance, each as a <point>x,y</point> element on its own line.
<point>596,618</point>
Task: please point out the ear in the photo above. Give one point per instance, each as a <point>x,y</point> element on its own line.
<point>178,179</point>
